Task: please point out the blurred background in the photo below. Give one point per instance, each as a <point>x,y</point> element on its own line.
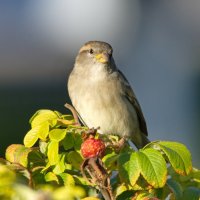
<point>156,45</point>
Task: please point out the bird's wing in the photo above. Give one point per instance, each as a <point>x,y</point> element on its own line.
<point>129,94</point>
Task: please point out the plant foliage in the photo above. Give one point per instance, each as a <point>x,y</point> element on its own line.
<point>47,166</point>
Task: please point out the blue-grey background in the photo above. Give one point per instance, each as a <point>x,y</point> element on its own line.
<point>156,44</point>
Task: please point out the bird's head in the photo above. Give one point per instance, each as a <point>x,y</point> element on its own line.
<point>95,56</point>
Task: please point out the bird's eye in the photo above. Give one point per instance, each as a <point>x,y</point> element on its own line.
<point>91,51</point>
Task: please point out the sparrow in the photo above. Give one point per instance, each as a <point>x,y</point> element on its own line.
<point>103,97</point>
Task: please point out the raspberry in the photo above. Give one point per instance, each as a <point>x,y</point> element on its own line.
<point>92,147</point>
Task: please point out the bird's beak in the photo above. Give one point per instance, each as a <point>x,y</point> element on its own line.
<point>102,57</point>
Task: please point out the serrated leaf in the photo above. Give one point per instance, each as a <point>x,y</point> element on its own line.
<point>42,116</point>
<point>175,187</point>
<point>17,153</point>
<point>178,155</point>
<point>31,137</point>
<point>129,168</point>
<point>153,167</point>
<point>57,134</point>
<point>134,168</point>
<point>53,152</point>
<point>75,159</point>
<point>123,167</point>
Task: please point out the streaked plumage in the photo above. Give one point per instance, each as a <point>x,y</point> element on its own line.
<point>103,97</point>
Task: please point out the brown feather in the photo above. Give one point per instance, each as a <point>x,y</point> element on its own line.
<point>133,100</point>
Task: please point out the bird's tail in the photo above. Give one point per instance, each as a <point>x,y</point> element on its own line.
<point>141,141</point>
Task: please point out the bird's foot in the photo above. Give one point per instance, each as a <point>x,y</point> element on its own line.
<point>117,145</point>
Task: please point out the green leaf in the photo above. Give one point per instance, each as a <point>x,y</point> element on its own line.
<point>129,168</point>
<point>57,134</point>
<point>191,193</point>
<point>175,187</point>
<point>50,176</point>
<point>123,167</point>
<point>7,176</point>
<point>75,159</point>
<point>43,131</point>
<point>178,156</point>
<point>134,168</point>
<point>68,193</point>
<point>31,137</point>
<point>77,141</point>
<point>60,166</point>
<point>36,159</point>
<point>110,160</point>
<point>123,193</point>
<point>68,141</point>
<point>43,147</point>
<point>43,116</point>
<point>67,179</point>
<point>153,167</point>
<point>53,152</point>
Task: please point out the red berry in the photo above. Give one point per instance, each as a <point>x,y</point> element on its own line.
<point>92,147</point>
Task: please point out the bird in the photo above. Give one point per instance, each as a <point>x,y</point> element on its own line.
<point>103,97</point>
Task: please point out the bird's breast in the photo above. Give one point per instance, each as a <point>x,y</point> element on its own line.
<point>99,105</point>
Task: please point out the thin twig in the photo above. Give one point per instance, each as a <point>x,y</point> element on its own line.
<point>74,113</point>
<point>98,176</point>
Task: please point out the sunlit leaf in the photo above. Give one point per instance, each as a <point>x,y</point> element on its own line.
<point>68,193</point>
<point>43,131</point>
<point>67,179</point>
<point>178,155</point>
<point>129,167</point>
<point>57,134</point>
<point>31,137</point>
<point>50,176</point>
<point>60,166</point>
<point>43,147</point>
<point>53,152</point>
<point>42,116</point>
<point>153,167</point>
<point>122,192</point>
